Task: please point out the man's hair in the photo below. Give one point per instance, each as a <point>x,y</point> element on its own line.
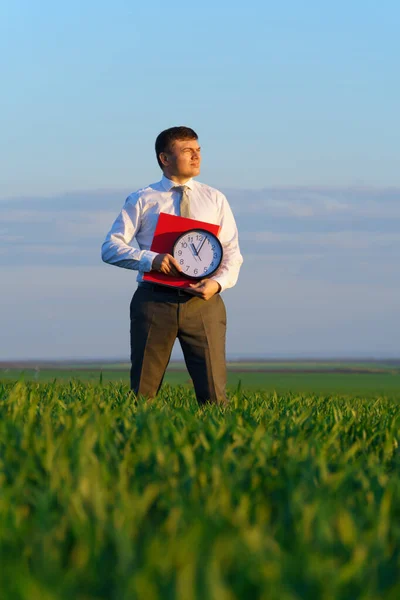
<point>166,138</point>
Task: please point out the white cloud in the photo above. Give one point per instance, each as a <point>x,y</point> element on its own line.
<point>313,204</point>
<point>28,216</point>
<point>356,240</point>
<point>299,292</point>
<point>5,237</point>
<point>297,208</point>
<point>85,224</point>
<point>82,221</point>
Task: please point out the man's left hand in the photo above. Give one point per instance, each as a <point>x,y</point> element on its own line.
<point>205,289</point>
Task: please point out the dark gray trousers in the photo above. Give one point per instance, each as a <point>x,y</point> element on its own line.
<point>157,319</point>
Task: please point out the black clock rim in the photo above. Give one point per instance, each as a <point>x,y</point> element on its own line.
<point>208,233</point>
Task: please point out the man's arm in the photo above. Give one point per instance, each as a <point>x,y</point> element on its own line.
<point>228,271</point>
<point>116,249</point>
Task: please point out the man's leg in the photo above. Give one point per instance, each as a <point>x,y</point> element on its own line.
<point>154,327</point>
<point>202,333</point>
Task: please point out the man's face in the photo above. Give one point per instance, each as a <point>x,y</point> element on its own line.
<point>182,159</point>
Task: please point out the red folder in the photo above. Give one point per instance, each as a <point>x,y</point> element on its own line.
<point>168,228</point>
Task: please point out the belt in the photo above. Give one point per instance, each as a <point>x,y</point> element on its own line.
<point>163,289</point>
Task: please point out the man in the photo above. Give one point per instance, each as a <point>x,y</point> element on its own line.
<point>160,314</point>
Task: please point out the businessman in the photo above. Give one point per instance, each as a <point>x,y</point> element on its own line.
<point>160,314</point>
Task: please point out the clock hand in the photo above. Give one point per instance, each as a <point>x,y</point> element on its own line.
<point>201,245</point>
<point>194,251</point>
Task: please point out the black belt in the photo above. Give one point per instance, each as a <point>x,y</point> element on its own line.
<point>163,289</point>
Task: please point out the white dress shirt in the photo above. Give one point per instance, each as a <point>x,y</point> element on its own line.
<point>138,220</point>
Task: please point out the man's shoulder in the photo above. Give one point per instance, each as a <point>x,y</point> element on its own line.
<point>208,189</point>
<point>144,192</point>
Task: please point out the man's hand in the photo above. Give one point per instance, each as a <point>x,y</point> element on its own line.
<point>165,263</point>
<point>205,289</point>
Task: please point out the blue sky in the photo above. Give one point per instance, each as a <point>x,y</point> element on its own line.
<point>281,93</point>
<point>296,105</point>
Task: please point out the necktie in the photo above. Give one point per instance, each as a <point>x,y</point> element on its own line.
<point>185,201</point>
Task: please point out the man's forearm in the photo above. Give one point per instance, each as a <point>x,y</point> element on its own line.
<point>122,255</point>
<point>228,272</point>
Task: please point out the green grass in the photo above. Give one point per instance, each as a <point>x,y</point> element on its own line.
<point>277,496</point>
<point>368,384</point>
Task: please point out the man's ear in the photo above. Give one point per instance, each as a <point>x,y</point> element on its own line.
<point>164,159</point>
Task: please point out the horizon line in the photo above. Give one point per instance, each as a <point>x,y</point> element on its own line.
<point>281,187</point>
<point>233,358</point>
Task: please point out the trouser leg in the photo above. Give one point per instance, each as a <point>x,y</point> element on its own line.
<point>202,333</point>
<point>154,327</point>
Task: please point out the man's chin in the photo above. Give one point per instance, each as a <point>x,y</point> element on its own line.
<point>195,171</point>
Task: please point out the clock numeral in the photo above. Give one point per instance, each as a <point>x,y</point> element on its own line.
<point>184,245</point>
<point>179,252</point>
<point>215,255</point>
<point>181,262</point>
<point>199,238</point>
<point>213,247</point>
<point>205,269</point>
<point>187,268</point>
<point>196,271</point>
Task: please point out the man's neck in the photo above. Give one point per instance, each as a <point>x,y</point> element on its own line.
<point>177,179</point>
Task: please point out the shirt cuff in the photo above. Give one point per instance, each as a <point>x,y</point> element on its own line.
<point>222,282</point>
<point>146,260</point>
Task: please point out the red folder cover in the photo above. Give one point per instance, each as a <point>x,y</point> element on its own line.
<point>168,228</point>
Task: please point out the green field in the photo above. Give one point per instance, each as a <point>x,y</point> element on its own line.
<point>365,378</point>
<point>280,495</point>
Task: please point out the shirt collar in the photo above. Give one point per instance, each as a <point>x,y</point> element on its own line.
<point>168,184</point>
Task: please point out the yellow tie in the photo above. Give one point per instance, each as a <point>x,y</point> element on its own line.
<point>185,201</point>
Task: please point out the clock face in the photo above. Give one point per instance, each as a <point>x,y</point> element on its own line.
<point>198,252</point>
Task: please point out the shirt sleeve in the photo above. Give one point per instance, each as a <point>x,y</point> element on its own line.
<point>228,271</point>
<point>117,249</point>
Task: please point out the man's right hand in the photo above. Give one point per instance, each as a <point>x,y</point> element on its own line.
<point>165,263</point>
